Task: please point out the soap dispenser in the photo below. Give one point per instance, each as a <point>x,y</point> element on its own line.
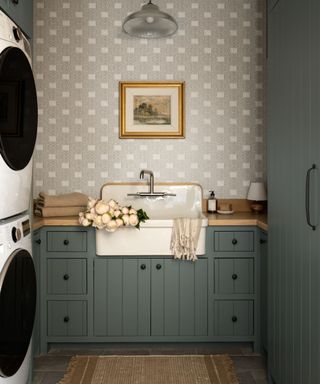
<point>212,203</point>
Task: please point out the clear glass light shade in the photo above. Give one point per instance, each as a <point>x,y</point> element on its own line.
<point>149,23</point>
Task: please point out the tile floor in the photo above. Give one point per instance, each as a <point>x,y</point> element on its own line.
<point>250,367</point>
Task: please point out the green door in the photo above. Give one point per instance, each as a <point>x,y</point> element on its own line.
<point>315,193</point>
<point>289,273</point>
<point>178,297</point>
<point>121,297</point>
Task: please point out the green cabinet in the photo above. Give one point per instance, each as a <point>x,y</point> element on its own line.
<point>234,275</point>
<point>264,289</point>
<point>89,298</point>
<point>66,276</point>
<point>293,190</point>
<point>21,12</point>
<point>150,297</point>
<point>234,317</point>
<point>36,259</point>
<point>67,318</point>
<point>121,297</point>
<point>66,284</point>
<point>234,284</point>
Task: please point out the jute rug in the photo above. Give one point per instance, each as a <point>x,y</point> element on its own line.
<point>189,369</point>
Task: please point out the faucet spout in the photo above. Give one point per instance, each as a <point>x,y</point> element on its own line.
<point>151,180</point>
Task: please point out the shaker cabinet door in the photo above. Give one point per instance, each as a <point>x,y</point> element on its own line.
<point>121,297</point>
<point>178,297</point>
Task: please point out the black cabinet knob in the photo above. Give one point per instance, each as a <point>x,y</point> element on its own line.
<point>66,242</point>
<point>234,319</point>
<point>234,276</point>
<point>15,1</point>
<point>66,319</point>
<point>66,277</point>
<point>262,241</point>
<point>234,241</point>
<point>38,241</point>
<point>158,266</point>
<point>143,266</point>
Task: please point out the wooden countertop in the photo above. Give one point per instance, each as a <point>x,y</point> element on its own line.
<point>237,218</point>
<point>39,222</point>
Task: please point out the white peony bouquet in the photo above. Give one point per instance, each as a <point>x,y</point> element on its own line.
<point>110,215</point>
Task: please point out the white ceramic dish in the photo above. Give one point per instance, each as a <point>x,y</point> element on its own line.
<point>225,212</point>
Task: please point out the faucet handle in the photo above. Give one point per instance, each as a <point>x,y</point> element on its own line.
<point>145,171</point>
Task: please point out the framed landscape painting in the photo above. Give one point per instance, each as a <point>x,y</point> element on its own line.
<point>151,110</point>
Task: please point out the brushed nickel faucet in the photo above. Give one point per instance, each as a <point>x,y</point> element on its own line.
<point>151,192</point>
<point>151,180</point>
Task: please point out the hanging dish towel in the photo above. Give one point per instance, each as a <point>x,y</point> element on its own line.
<point>184,238</point>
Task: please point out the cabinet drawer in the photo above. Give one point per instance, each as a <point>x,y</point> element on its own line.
<point>234,241</point>
<point>234,276</point>
<point>233,317</point>
<point>66,241</point>
<point>67,276</point>
<point>67,318</point>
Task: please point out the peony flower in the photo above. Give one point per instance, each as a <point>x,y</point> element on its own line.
<point>85,222</point>
<point>111,212</point>
<point>102,207</point>
<point>125,210</point>
<point>119,223</point>
<point>132,211</point>
<point>90,216</point>
<point>91,202</point>
<point>113,204</point>
<point>111,226</point>
<point>117,213</point>
<point>105,218</point>
<point>81,214</point>
<point>133,220</point>
<point>98,221</point>
<point>125,219</point>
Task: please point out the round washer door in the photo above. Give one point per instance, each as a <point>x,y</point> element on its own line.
<point>17,310</point>
<point>18,109</point>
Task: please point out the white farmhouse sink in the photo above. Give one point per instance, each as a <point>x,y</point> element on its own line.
<point>154,235</point>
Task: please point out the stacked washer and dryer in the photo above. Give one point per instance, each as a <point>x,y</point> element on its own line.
<point>18,130</point>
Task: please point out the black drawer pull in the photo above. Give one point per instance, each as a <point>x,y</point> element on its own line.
<point>234,241</point>
<point>15,1</point>
<point>66,319</point>
<point>143,266</point>
<point>158,266</point>
<point>262,241</point>
<point>66,242</point>
<point>38,241</point>
<point>66,277</point>
<point>234,319</point>
<point>234,276</point>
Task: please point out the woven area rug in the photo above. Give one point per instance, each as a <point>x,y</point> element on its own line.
<point>189,369</point>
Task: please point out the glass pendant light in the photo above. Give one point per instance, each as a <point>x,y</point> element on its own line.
<point>149,23</point>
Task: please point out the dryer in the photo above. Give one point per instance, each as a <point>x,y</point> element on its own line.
<point>17,300</point>
<point>18,119</point>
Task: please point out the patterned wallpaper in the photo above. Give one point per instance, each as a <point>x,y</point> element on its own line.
<point>81,54</point>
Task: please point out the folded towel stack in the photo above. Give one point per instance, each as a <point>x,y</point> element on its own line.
<point>69,204</point>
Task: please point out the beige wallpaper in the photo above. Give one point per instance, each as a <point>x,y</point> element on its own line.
<point>81,54</point>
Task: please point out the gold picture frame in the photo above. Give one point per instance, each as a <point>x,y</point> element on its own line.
<point>151,110</point>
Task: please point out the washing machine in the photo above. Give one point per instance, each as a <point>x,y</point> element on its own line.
<point>18,119</point>
<point>17,300</point>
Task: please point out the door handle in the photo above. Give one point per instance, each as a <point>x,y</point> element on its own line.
<point>313,226</point>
